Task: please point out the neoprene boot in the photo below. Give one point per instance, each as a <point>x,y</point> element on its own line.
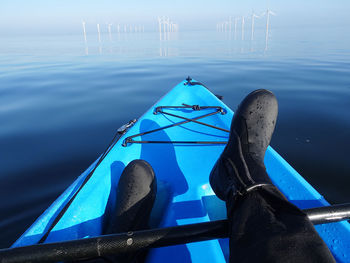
<point>135,197</point>
<point>136,192</point>
<point>240,167</point>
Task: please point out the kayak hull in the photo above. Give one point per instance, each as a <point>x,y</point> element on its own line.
<point>184,193</point>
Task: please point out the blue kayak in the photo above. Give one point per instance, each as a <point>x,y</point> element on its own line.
<point>181,136</point>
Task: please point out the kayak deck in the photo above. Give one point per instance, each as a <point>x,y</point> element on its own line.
<point>182,170</point>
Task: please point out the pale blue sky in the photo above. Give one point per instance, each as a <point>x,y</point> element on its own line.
<point>21,16</point>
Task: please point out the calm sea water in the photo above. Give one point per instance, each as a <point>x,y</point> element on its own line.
<point>61,101</point>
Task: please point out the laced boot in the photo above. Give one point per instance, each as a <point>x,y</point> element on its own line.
<point>240,167</point>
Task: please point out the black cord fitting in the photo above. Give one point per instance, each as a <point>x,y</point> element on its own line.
<point>157,110</point>
<point>222,111</point>
<point>196,107</point>
<point>126,141</point>
<point>189,79</point>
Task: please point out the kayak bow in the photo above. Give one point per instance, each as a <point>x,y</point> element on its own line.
<point>181,136</point>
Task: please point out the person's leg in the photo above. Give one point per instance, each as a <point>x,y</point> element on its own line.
<point>267,228</point>
<point>136,192</point>
<point>134,199</point>
<point>264,226</point>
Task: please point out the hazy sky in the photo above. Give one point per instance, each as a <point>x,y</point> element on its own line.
<point>23,16</point>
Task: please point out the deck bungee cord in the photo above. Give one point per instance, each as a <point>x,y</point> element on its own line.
<point>160,110</point>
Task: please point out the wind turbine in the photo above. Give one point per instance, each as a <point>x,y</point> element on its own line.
<point>236,20</point>
<point>165,27</point>
<point>159,24</point>
<point>110,32</point>
<point>84,30</point>
<point>168,27</point>
<point>99,38</point>
<point>118,30</point>
<point>160,28</point>
<point>268,13</point>
<point>242,27</point>
<point>99,33</point>
<point>230,23</point>
<point>253,16</point>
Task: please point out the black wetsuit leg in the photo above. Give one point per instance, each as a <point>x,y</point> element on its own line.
<point>265,227</point>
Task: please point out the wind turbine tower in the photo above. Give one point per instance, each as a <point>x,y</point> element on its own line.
<point>230,23</point>
<point>110,32</point>
<point>253,17</point>
<point>236,20</point>
<point>86,46</point>
<point>242,27</point>
<point>163,24</point>
<point>160,28</point>
<point>99,38</point>
<point>167,23</point>
<point>84,30</point>
<point>268,13</point>
<point>99,33</point>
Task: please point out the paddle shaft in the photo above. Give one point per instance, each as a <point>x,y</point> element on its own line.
<point>134,241</point>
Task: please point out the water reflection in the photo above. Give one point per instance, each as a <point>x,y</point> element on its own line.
<point>192,44</point>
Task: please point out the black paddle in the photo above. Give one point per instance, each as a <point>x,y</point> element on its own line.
<point>133,241</point>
